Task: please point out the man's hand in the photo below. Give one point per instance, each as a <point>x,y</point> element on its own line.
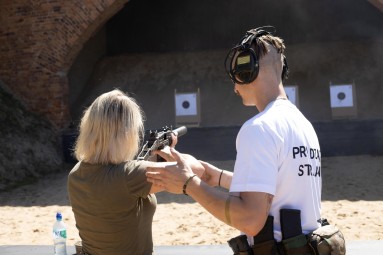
<point>193,163</point>
<point>171,177</point>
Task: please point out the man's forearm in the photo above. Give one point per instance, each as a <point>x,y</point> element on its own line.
<point>242,215</point>
<point>194,164</point>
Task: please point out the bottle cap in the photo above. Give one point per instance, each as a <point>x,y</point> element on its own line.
<point>59,216</point>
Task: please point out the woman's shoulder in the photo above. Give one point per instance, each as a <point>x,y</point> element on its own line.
<point>135,165</point>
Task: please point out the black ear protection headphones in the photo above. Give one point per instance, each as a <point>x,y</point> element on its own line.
<point>242,63</point>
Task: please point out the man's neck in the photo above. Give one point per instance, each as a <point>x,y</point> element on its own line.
<point>269,96</point>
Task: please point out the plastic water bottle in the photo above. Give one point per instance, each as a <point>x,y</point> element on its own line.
<point>59,236</point>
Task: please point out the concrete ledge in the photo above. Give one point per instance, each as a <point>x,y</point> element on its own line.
<point>370,247</point>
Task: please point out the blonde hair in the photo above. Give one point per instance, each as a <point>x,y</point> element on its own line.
<point>111,130</point>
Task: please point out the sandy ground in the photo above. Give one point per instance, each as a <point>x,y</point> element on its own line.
<point>352,199</point>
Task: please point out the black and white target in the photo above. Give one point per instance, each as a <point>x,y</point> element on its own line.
<point>186,104</point>
<point>341,96</point>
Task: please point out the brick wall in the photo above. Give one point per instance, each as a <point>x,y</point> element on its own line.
<point>39,41</point>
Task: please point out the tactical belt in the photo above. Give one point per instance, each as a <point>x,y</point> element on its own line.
<point>293,241</point>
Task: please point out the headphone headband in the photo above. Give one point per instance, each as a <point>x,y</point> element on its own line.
<point>252,34</point>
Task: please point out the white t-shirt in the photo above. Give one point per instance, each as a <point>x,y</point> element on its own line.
<point>278,153</point>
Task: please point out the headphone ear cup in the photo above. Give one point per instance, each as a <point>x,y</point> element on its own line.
<point>246,67</point>
<point>285,69</point>
<point>242,62</point>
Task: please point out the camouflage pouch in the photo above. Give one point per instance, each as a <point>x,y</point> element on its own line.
<point>329,240</point>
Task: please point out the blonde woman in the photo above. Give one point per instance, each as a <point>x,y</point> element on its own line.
<point>112,201</point>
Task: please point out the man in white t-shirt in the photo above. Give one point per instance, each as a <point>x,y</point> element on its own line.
<point>278,164</point>
<point>278,154</point>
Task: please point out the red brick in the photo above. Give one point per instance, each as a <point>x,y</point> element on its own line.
<point>39,41</point>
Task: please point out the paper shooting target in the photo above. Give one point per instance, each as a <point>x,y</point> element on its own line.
<point>186,104</point>
<point>341,96</point>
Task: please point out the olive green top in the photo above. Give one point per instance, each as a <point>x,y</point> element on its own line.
<point>113,208</point>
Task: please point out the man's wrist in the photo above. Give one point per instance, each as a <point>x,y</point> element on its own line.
<point>191,182</point>
<point>186,184</point>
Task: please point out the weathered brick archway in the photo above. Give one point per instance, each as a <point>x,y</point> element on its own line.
<point>39,41</point>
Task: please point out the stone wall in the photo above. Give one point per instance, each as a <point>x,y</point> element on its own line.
<point>29,147</point>
<point>38,43</point>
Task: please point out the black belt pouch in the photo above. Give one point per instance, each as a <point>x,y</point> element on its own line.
<point>290,223</point>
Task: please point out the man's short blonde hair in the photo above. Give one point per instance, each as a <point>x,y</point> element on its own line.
<point>262,42</point>
<point>111,129</point>
<point>270,51</point>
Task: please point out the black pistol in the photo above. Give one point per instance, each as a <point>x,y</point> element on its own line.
<point>157,140</point>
